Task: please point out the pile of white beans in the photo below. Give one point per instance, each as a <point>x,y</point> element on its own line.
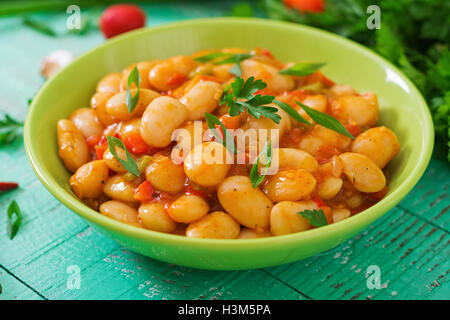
<point>225,206</point>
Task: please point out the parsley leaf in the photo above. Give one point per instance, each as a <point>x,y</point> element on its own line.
<point>316,217</point>
<point>255,178</point>
<point>302,69</point>
<point>129,164</point>
<point>256,105</point>
<point>134,77</point>
<point>14,216</point>
<point>212,121</point>
<point>325,120</point>
<point>9,129</point>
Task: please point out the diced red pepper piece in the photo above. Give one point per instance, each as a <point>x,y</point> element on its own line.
<point>135,144</point>
<point>230,122</point>
<point>325,152</point>
<point>100,150</point>
<point>176,79</point>
<point>93,141</point>
<point>195,191</point>
<point>299,93</point>
<point>354,129</point>
<point>5,186</point>
<point>267,53</point>
<point>264,92</point>
<point>145,192</point>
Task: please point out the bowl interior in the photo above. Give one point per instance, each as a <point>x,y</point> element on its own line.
<point>401,106</point>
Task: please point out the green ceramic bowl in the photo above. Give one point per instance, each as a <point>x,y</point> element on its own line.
<point>402,109</point>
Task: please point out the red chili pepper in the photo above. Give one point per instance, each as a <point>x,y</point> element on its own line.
<point>145,192</point>
<point>176,79</point>
<point>5,186</point>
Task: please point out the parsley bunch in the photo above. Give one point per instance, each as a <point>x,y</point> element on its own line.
<point>414,35</point>
<point>241,96</point>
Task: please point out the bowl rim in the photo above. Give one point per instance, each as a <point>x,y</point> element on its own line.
<point>353,223</point>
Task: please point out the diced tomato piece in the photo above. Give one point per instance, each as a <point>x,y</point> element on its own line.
<point>264,93</point>
<point>145,192</point>
<point>327,82</point>
<point>353,129</point>
<point>195,191</point>
<point>267,53</point>
<point>302,6</point>
<point>135,144</point>
<point>117,135</point>
<point>325,152</point>
<point>299,93</point>
<point>295,135</point>
<point>319,202</point>
<point>230,122</point>
<point>380,194</point>
<point>93,141</point>
<point>100,150</point>
<point>176,79</point>
<point>210,78</point>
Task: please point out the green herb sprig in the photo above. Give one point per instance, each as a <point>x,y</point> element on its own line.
<point>292,112</point>
<point>133,77</point>
<point>129,164</point>
<point>228,141</point>
<point>39,26</point>
<point>10,129</point>
<point>241,97</point>
<point>237,58</point>
<point>325,120</point>
<point>14,219</point>
<point>316,217</point>
<point>255,177</point>
<point>302,69</point>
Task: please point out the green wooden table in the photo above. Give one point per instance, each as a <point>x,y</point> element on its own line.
<point>410,244</point>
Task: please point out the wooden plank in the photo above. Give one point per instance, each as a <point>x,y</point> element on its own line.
<point>13,289</point>
<point>430,199</point>
<point>411,253</point>
<point>108,271</point>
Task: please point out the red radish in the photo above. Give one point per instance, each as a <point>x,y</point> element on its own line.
<point>310,6</point>
<point>121,18</point>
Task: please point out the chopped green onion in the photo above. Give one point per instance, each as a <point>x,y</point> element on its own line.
<point>325,120</point>
<point>129,164</point>
<point>135,78</point>
<point>255,178</point>
<point>302,69</point>
<point>292,112</point>
<point>14,221</point>
<point>212,121</point>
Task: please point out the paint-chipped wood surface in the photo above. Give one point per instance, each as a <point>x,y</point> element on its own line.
<point>409,245</point>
